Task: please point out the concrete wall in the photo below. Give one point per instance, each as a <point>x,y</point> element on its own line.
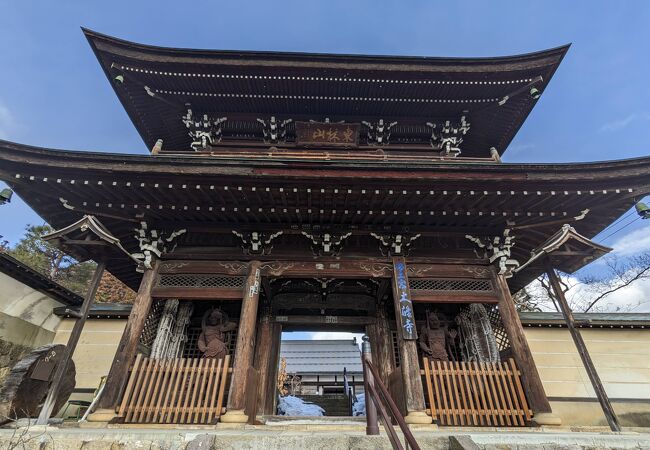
<point>26,321</point>
<point>622,359</point>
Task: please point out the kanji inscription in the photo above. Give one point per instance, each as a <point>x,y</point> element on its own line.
<point>327,134</point>
<point>404,305</point>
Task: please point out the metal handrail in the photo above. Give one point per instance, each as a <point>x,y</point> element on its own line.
<point>376,391</point>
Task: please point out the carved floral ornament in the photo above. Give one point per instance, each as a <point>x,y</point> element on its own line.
<point>447,136</point>
<point>498,250</point>
<point>153,243</point>
<point>255,242</point>
<point>327,244</point>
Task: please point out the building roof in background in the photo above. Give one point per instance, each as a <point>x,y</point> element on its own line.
<point>587,320</point>
<point>323,356</point>
<point>29,277</point>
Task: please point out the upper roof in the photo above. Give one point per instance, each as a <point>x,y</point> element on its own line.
<point>325,356</point>
<point>157,83</point>
<point>37,281</point>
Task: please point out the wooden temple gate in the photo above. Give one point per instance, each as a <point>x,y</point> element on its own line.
<point>195,390</point>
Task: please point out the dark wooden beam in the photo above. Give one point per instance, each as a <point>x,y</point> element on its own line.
<point>59,373</point>
<point>601,394</point>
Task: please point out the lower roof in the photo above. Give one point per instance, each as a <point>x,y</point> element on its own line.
<point>37,281</point>
<point>200,192</point>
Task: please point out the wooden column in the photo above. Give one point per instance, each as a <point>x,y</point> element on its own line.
<point>381,342</point>
<point>126,350</point>
<point>603,399</point>
<point>245,346</point>
<point>267,350</point>
<point>60,371</point>
<point>543,414</point>
<point>409,361</point>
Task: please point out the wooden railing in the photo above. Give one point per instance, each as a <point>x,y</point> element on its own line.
<point>476,394</point>
<point>379,400</point>
<point>182,390</point>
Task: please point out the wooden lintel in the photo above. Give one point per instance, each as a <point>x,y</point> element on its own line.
<point>367,268</point>
<point>317,320</point>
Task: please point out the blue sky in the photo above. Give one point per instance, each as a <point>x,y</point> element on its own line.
<point>53,93</point>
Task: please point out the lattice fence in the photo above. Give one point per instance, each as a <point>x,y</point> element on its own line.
<point>395,341</point>
<point>200,281</point>
<point>500,334</point>
<point>151,323</point>
<point>451,285</point>
<point>192,349</point>
<point>182,390</point>
<point>476,394</point>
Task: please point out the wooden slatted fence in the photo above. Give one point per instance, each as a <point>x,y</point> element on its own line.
<point>181,390</point>
<point>476,394</point>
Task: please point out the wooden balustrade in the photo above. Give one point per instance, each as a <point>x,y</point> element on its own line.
<point>181,390</point>
<point>476,394</point>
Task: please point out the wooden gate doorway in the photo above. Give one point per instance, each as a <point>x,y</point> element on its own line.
<point>304,312</point>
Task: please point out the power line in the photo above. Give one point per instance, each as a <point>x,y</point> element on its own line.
<point>619,220</point>
<point>624,226</point>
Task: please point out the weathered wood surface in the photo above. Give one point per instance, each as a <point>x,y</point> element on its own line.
<point>60,372</point>
<point>245,338</point>
<point>126,350</point>
<point>476,394</point>
<point>520,350</point>
<point>22,396</point>
<point>181,390</point>
<point>599,389</point>
<point>350,268</point>
<point>381,343</point>
<point>197,293</point>
<point>252,395</point>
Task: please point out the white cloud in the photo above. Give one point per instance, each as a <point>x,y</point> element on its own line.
<point>619,124</point>
<point>632,243</point>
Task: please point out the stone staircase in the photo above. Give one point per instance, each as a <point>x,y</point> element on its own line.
<point>333,404</point>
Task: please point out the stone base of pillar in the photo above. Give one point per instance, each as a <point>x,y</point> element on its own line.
<point>546,418</point>
<point>102,415</point>
<point>234,416</point>
<point>417,417</point>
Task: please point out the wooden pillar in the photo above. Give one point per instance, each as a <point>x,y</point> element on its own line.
<point>48,405</point>
<point>119,373</point>
<point>267,352</point>
<point>245,346</point>
<point>409,361</point>
<point>381,343</point>
<point>543,414</point>
<point>603,399</point>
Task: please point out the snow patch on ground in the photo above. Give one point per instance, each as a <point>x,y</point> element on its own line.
<point>359,407</point>
<point>294,406</point>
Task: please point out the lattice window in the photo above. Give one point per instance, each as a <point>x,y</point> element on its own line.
<point>499,331</point>
<point>200,281</point>
<point>192,350</point>
<point>151,323</point>
<point>451,284</point>
<point>394,339</point>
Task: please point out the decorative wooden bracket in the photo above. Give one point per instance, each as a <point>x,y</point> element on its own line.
<point>378,133</point>
<point>395,244</point>
<point>498,250</point>
<point>257,243</point>
<point>153,243</point>
<point>326,244</point>
<point>448,136</point>
<point>274,131</point>
<point>204,131</point>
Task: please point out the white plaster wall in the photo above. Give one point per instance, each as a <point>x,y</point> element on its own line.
<point>26,316</point>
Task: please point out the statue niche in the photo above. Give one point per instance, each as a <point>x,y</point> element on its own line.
<point>214,328</point>
<point>435,338</point>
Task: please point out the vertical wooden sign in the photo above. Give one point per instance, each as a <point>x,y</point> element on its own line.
<point>402,299</point>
